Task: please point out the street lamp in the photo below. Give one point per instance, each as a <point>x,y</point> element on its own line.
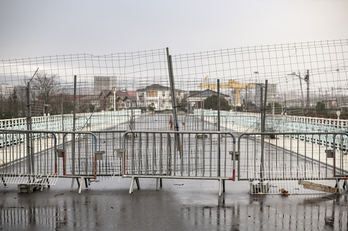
<point>306,79</point>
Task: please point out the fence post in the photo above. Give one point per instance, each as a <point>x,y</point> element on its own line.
<point>263,124</point>
<point>172,90</point>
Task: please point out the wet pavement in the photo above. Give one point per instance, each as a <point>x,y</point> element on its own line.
<point>178,205</point>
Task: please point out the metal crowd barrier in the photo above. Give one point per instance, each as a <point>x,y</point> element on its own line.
<point>42,157</point>
<point>269,161</point>
<point>184,155</point>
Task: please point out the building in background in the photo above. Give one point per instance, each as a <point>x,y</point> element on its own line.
<point>6,90</point>
<point>103,83</point>
<point>271,93</point>
<point>159,96</point>
<point>117,100</point>
<point>196,98</point>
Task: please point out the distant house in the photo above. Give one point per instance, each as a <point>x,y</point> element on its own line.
<point>330,102</point>
<point>196,98</point>
<point>110,99</point>
<point>89,100</point>
<point>159,96</point>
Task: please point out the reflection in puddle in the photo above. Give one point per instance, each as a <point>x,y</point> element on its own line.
<point>311,213</point>
<point>65,213</point>
<point>149,210</point>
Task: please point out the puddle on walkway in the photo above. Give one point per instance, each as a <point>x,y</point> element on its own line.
<point>165,210</point>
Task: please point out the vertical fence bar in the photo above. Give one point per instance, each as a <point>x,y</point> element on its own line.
<point>219,145</point>
<point>161,155</point>
<point>139,154</point>
<point>196,155</point>
<point>210,154</point>
<point>153,152</point>
<point>146,153</point>
<point>181,154</point>
<point>133,158</point>
<point>189,155</point>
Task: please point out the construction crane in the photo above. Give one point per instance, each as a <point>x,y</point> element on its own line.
<point>238,87</point>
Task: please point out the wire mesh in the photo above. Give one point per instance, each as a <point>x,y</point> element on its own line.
<point>131,91</point>
<point>300,75</point>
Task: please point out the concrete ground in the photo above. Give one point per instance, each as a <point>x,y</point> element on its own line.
<point>178,205</point>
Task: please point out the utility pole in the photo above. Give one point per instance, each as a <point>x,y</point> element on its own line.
<point>306,79</point>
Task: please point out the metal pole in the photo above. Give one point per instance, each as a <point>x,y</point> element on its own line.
<point>263,129</point>
<point>202,117</point>
<point>62,107</point>
<point>246,100</point>
<point>132,117</point>
<point>74,128</point>
<point>114,98</point>
<point>307,80</point>
<point>30,151</point>
<point>29,128</point>
<point>172,90</point>
<point>219,157</point>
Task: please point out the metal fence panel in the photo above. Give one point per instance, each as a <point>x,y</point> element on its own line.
<point>291,157</point>
<point>178,154</point>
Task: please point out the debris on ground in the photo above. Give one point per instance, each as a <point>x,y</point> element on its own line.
<point>284,192</point>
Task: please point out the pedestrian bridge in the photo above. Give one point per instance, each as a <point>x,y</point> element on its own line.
<point>144,146</point>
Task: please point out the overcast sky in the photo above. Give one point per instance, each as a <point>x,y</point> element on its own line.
<point>40,27</point>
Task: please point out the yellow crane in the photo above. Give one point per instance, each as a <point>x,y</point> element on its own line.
<point>238,87</point>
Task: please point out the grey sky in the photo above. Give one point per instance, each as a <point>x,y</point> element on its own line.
<point>40,27</point>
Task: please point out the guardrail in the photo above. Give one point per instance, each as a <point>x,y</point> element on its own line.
<point>184,155</point>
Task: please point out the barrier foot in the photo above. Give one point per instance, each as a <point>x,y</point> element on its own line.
<point>345,186</point>
<point>80,185</point>
<point>3,181</point>
<point>131,186</point>
<point>86,182</point>
<point>158,180</point>
<point>338,186</point>
<point>42,185</point>
<point>131,189</point>
<point>137,181</point>
<point>223,185</point>
<point>220,187</point>
<point>72,184</point>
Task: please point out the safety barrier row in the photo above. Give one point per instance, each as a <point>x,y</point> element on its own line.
<point>184,155</point>
<point>268,159</point>
<point>46,156</point>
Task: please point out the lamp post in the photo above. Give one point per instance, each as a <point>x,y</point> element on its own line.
<point>306,79</point>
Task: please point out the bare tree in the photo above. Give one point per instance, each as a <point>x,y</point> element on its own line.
<point>45,86</point>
